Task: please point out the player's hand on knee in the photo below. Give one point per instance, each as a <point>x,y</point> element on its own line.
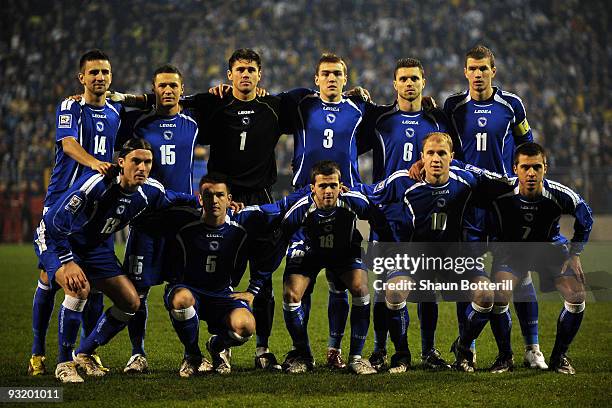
<point>244,296</point>
<point>75,278</point>
<point>574,262</point>
<point>417,171</point>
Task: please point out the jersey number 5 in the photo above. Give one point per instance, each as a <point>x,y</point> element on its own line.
<point>168,156</point>
<point>211,263</point>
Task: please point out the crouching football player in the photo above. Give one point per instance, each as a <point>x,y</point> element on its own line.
<point>531,214</point>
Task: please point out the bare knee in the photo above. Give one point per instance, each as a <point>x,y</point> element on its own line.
<point>182,299</point>
<point>242,322</point>
<point>43,277</point>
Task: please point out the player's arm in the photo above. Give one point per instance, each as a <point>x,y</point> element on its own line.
<point>521,130</point>
<point>161,199</point>
<point>141,101</point>
<point>76,152</point>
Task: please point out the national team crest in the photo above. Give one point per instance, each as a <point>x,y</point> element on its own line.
<point>528,217</point>
<point>409,132</point>
<point>441,202</point>
<point>120,209</point>
<point>64,121</point>
<point>482,121</point>
<point>100,126</point>
<point>213,245</point>
<point>246,120</point>
<point>330,118</point>
<point>168,134</point>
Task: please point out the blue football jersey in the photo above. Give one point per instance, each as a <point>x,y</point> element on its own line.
<point>324,131</point>
<point>94,128</point>
<point>173,139</point>
<point>519,219</point>
<point>95,207</point>
<point>489,130</point>
<point>435,212</point>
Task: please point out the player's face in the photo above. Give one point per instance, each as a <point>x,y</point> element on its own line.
<point>168,89</point>
<point>436,156</point>
<point>245,76</point>
<point>331,80</point>
<point>479,74</point>
<point>214,199</point>
<point>530,171</point>
<point>96,77</point>
<point>326,190</point>
<point>136,167</point>
<point>409,83</point>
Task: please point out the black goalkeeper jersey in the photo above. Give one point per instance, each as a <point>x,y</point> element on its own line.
<point>242,136</point>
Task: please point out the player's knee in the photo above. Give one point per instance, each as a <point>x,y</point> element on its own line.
<point>359,289</point>
<point>502,297</point>
<point>243,323</point>
<point>394,296</point>
<point>44,278</point>
<point>182,299</point>
<point>484,298</point>
<point>131,303</point>
<point>291,295</point>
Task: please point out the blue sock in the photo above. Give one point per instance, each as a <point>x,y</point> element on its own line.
<point>186,324</point>
<point>69,321</point>
<point>137,326</point>
<point>360,323</point>
<point>110,323</point>
<point>381,328</point>
<point>92,312</point>
<point>461,316</point>
<point>501,326</point>
<point>476,319</point>
<point>428,316</point>
<point>337,315</point>
<point>568,325</point>
<point>42,309</point>
<point>296,325</point>
<point>398,321</point>
<point>527,312</point>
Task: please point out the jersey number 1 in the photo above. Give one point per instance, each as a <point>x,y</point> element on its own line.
<point>168,156</point>
<point>100,144</point>
<point>481,141</point>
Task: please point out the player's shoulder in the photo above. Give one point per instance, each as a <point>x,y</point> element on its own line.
<point>398,176</point>
<point>153,186</point>
<point>456,99</point>
<point>115,107</point>
<point>560,193</point>
<point>462,176</point>
<point>509,98</point>
<point>354,197</point>
<point>300,206</point>
<point>187,116</point>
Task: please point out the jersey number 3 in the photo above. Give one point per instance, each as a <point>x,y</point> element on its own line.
<point>328,141</point>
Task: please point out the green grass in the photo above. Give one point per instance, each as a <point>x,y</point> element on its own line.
<point>591,353</point>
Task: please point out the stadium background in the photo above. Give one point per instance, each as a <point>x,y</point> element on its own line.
<point>554,54</point>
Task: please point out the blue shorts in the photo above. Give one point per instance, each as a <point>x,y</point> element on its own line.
<point>548,262</point>
<point>97,263</point>
<point>211,307</point>
<point>144,258</point>
<point>302,261</point>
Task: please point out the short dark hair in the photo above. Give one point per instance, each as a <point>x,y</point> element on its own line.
<point>214,178</point>
<point>245,54</point>
<point>167,69</point>
<point>445,137</point>
<point>330,57</point>
<point>325,168</point>
<point>408,63</point>
<point>92,55</point>
<point>529,149</point>
<point>480,52</point>
<point>132,144</point>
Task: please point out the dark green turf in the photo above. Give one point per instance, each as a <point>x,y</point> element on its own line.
<point>591,354</point>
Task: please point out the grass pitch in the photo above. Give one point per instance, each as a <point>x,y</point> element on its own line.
<point>591,354</point>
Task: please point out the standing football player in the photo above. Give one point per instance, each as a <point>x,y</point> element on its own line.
<point>85,139</point>
<point>491,123</point>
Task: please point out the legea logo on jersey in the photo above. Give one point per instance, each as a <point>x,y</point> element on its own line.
<point>482,121</point>
<point>246,120</point>
<point>330,118</point>
<point>213,245</point>
<point>409,132</point>
<point>100,126</point>
<point>168,134</point>
<point>65,121</point>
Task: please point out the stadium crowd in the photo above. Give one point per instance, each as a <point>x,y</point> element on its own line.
<point>553,54</point>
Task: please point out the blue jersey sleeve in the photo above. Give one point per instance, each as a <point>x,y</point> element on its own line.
<point>67,120</point>
<point>162,198</point>
<point>389,190</point>
<point>521,130</point>
<point>573,204</point>
<point>486,184</point>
